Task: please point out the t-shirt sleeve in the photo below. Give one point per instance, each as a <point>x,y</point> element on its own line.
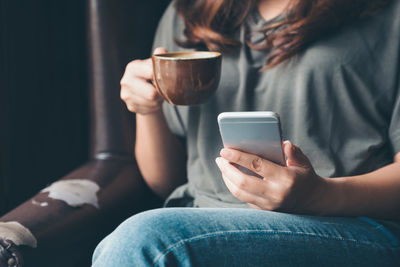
<point>176,118</point>
<point>169,29</point>
<point>394,128</point>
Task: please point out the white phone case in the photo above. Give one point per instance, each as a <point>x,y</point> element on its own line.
<point>255,132</point>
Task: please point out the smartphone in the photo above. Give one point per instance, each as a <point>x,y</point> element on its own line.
<point>254,132</point>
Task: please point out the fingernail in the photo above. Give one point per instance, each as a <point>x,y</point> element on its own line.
<point>290,144</point>
<point>218,161</point>
<point>226,153</point>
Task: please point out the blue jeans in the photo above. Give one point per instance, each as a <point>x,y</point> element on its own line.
<point>246,237</point>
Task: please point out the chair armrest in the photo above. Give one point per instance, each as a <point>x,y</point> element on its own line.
<point>64,232</point>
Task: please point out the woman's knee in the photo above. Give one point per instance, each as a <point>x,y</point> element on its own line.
<point>140,239</point>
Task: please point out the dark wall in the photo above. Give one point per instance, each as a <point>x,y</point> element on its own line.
<point>43,94</point>
<point>46,69</point>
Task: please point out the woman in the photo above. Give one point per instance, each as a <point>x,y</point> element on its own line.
<point>331,69</point>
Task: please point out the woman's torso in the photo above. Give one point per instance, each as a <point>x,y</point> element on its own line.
<point>336,101</point>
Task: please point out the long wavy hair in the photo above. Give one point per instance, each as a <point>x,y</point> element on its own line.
<point>212,23</point>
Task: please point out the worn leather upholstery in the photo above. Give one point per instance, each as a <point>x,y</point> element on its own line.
<point>118,31</point>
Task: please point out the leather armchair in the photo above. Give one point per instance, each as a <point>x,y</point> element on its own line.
<point>118,31</point>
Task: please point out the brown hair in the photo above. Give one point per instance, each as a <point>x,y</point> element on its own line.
<point>212,23</point>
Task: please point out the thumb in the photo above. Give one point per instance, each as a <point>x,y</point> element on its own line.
<point>294,155</point>
<point>159,50</point>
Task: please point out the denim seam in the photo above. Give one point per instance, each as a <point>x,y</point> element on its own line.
<point>203,236</point>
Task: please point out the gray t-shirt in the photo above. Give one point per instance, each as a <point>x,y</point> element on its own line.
<point>339,101</point>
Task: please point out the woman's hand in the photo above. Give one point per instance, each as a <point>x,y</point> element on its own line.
<point>295,188</point>
<point>137,91</point>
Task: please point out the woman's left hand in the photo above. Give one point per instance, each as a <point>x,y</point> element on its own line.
<point>294,188</point>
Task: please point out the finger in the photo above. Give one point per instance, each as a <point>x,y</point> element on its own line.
<point>242,194</point>
<point>142,103</point>
<point>295,156</point>
<point>142,109</point>
<point>255,201</point>
<point>262,167</point>
<point>251,184</point>
<point>140,69</point>
<point>397,158</point>
<point>159,50</point>
<point>139,87</point>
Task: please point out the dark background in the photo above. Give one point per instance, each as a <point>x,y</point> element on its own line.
<point>44,96</point>
<point>44,106</point>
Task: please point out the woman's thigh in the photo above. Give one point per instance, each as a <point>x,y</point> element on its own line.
<point>245,237</point>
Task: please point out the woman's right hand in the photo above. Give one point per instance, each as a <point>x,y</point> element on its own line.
<point>137,90</point>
